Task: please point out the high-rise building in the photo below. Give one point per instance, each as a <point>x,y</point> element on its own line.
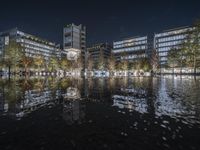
<point>131,49</point>
<point>97,50</point>
<point>32,45</point>
<point>169,39</point>
<point>74,41</point>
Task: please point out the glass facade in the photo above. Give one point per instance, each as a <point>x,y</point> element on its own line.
<point>131,49</point>
<point>32,45</point>
<point>167,40</point>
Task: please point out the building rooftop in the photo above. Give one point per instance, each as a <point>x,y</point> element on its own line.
<point>29,36</point>
<point>130,38</point>
<point>178,28</point>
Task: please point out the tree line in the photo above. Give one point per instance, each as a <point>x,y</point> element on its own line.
<point>112,64</point>
<point>15,59</point>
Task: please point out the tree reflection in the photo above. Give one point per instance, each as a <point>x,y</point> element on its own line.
<point>172,97</point>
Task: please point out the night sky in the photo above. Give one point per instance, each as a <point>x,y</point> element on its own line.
<point>106,20</point>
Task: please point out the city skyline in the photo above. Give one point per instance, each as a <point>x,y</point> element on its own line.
<point>108,22</point>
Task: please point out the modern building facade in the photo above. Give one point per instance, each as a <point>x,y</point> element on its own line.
<point>97,50</point>
<point>169,39</point>
<point>32,45</point>
<point>74,41</point>
<point>131,49</point>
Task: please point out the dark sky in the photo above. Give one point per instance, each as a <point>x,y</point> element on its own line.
<point>106,20</point>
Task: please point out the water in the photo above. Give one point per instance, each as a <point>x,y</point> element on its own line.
<point>100,113</point>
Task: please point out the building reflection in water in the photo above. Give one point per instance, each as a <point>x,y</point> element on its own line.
<point>169,102</point>
<point>73,110</point>
<point>17,101</point>
<point>130,103</point>
<point>131,95</point>
<point>158,97</point>
<point>155,96</point>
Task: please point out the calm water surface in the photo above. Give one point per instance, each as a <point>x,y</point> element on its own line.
<point>104,113</point>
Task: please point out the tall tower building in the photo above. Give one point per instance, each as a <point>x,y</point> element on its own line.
<point>74,41</point>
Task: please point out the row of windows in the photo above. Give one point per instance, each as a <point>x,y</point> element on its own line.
<point>163,54</point>
<point>133,56</point>
<point>163,58</point>
<point>43,46</point>
<point>130,44</point>
<point>130,49</point>
<point>34,56</point>
<point>34,49</point>
<point>173,43</point>
<point>67,30</point>
<point>162,49</point>
<point>37,52</point>
<point>76,30</point>
<point>130,40</point>
<point>174,32</point>
<point>177,37</point>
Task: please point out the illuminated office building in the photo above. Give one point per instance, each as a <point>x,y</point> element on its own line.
<point>131,49</point>
<point>32,45</point>
<point>141,47</point>
<point>169,39</point>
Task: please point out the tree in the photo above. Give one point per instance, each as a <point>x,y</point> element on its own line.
<point>172,58</point>
<point>101,63</point>
<point>1,62</point>
<point>65,64</point>
<point>145,65</point>
<point>39,61</point>
<point>53,63</point>
<point>124,65</point>
<point>181,56</point>
<point>124,61</point>
<point>79,63</point>
<point>119,66</point>
<point>112,62</point>
<point>154,61</point>
<point>12,55</point>
<point>26,62</point>
<point>131,66</point>
<point>90,63</point>
<point>192,46</point>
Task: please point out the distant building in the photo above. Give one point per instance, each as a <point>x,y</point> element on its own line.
<point>131,49</point>
<point>31,44</point>
<point>169,39</point>
<point>96,50</point>
<point>74,41</point>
